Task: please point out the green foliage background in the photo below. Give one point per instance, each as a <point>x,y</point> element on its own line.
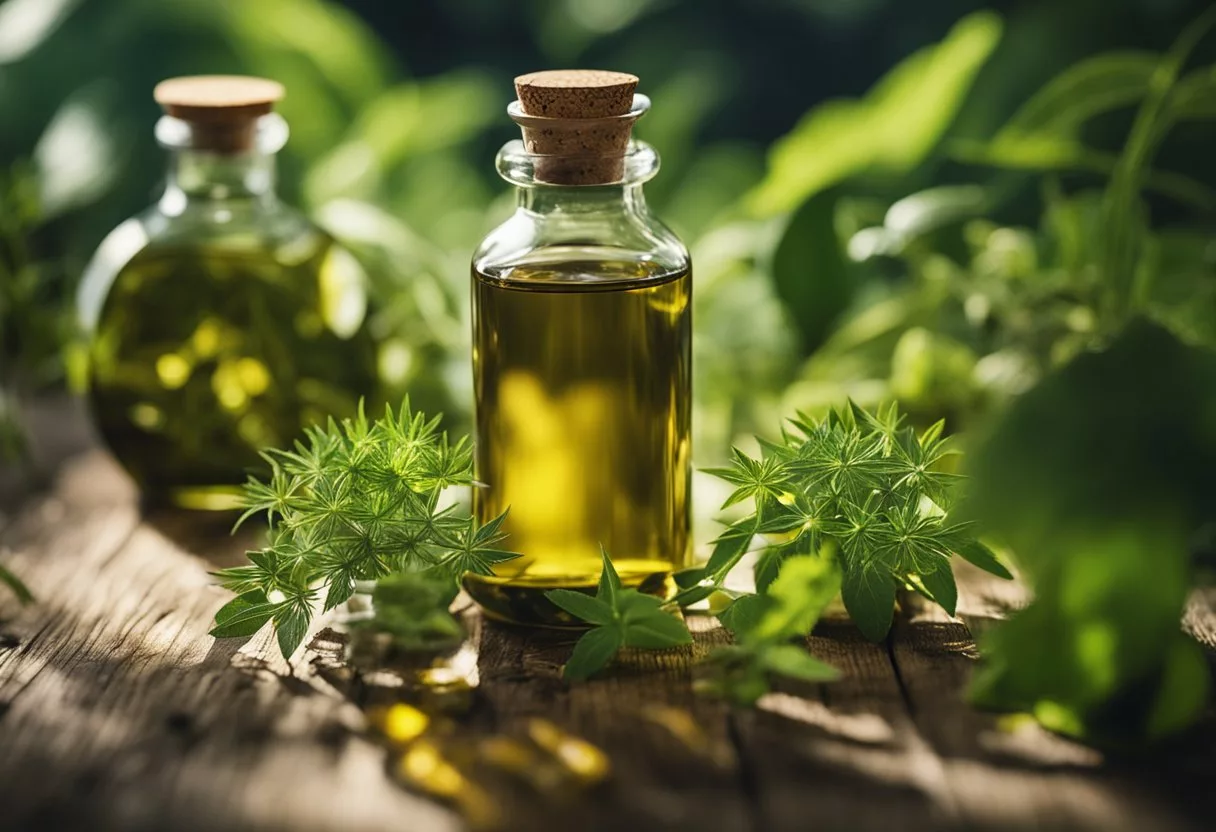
<point>999,214</point>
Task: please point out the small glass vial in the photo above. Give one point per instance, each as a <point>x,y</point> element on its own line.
<point>582,359</point>
<point>220,320</point>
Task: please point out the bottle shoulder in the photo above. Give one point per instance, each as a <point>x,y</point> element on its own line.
<point>272,233</point>
<point>527,238</point>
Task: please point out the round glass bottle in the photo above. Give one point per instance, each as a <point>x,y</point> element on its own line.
<point>220,320</point>
<point>581,356</point>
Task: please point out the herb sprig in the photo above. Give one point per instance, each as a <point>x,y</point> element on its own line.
<point>864,486</point>
<point>622,618</point>
<point>765,624</point>
<point>356,501</point>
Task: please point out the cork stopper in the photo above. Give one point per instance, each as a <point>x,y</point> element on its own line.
<point>578,121</point>
<point>223,110</point>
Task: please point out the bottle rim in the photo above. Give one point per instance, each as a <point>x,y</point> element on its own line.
<point>270,132</point>
<point>640,163</point>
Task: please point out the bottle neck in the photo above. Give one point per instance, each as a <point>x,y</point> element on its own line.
<point>203,176</point>
<point>583,199</point>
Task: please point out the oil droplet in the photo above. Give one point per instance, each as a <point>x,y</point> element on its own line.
<point>424,766</point>
<point>400,724</point>
<point>253,376</point>
<point>148,416</point>
<point>581,758</point>
<point>206,338</point>
<point>172,370</point>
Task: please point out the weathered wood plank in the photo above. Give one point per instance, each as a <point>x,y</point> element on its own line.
<point>672,759</point>
<point>117,711</point>
<point>120,712</point>
<point>844,755</point>
<point>1005,773</point>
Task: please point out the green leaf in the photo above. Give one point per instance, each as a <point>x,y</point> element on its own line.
<point>1194,96</point>
<point>768,565</point>
<point>1125,288</point>
<point>291,625</point>
<point>893,129</point>
<point>730,547</point>
<point>582,606</point>
<point>1102,514</point>
<point>869,596</point>
<point>811,274</point>
<point>686,578</point>
<point>655,630</point>
<point>743,614</point>
<point>243,616</point>
<point>795,662</point>
<point>1091,87</point>
<point>610,583</point>
<point>14,583</point>
<point>941,587</point>
<point>1183,694</point>
<point>592,653</point>
<point>341,588</point>
<point>694,594</point>
<point>980,555</point>
<point>803,588</point>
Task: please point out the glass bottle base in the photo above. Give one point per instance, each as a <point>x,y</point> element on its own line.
<point>521,600</point>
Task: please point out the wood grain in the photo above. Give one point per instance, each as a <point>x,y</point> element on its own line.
<point>119,712</point>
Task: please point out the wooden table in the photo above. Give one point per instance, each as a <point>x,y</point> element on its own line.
<point>118,711</point>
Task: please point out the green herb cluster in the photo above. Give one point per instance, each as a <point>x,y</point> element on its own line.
<point>858,486</point>
<point>357,501</point>
<point>621,618</point>
<point>763,626</point>
<point>856,504</point>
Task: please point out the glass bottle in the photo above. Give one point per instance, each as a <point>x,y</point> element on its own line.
<point>220,320</point>
<point>581,355</point>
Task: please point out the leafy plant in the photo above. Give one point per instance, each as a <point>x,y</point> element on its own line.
<point>621,618</point>
<point>357,501</point>
<point>863,487</point>
<point>763,626</point>
<point>1100,482</point>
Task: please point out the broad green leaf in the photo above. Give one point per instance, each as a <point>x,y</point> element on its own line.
<point>810,272</point>
<point>686,578</point>
<point>14,583</point>
<point>924,211</point>
<point>730,547</point>
<point>795,662</point>
<point>941,587</point>
<point>980,555</point>
<point>894,128</point>
<point>592,653</point>
<point>803,588</point>
<point>243,616</point>
<point>291,625</point>
<point>582,606</point>
<point>869,596</point>
<point>655,630</point>
<point>744,613</point>
<point>1109,557</point>
<point>768,565</point>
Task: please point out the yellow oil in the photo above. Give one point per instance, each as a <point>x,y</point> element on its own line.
<point>582,374</point>
<point>203,355</point>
